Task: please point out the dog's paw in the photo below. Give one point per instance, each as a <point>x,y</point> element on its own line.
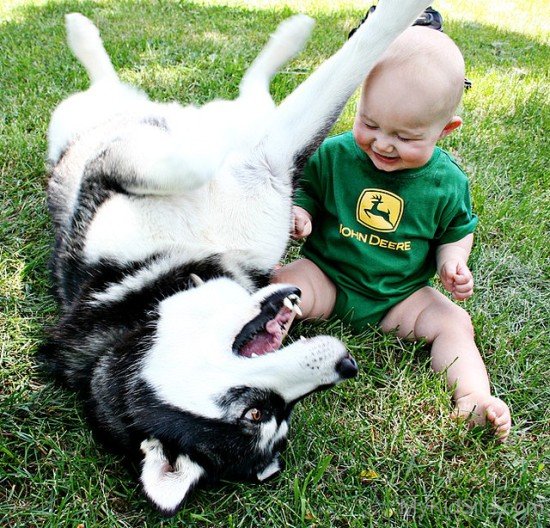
<point>151,446</point>
<point>294,32</point>
<point>80,28</point>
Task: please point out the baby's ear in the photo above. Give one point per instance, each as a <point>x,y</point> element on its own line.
<point>164,485</point>
<point>453,124</point>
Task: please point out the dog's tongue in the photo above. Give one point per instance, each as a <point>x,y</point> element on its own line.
<point>264,342</point>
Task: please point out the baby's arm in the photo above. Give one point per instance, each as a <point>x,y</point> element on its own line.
<point>452,267</point>
<point>302,224</point>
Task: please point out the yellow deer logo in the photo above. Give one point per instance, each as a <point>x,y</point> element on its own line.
<point>380,210</point>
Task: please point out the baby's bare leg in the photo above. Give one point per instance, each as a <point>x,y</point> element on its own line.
<point>430,315</point>
<point>318,291</point>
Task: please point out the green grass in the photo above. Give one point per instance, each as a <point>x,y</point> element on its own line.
<point>377,451</point>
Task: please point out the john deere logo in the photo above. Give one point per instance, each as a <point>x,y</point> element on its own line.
<point>379,210</point>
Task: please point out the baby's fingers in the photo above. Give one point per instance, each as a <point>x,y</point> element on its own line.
<point>463,291</point>
<point>463,275</point>
<point>302,226</point>
<point>447,279</point>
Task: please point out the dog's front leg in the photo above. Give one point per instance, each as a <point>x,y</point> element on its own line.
<point>305,117</point>
<point>149,159</point>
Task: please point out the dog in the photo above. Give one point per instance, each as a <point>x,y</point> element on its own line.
<point>168,223</point>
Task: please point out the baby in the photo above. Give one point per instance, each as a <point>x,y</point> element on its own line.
<point>384,209</point>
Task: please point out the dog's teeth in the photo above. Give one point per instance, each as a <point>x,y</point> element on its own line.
<point>291,302</point>
<point>254,355</point>
<point>295,298</point>
<point>302,338</point>
<point>197,281</point>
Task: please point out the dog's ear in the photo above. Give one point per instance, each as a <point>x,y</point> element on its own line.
<point>165,485</point>
<point>270,470</point>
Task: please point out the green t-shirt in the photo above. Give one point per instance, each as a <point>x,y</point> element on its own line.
<point>376,232</point>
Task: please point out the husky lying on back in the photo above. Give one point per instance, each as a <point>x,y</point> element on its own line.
<point>168,223</point>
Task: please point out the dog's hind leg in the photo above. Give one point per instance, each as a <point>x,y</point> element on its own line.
<point>106,96</point>
<point>162,163</point>
<point>245,118</point>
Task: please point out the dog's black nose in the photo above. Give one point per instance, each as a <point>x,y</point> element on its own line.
<point>347,367</point>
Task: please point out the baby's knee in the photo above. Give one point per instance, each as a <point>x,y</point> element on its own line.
<point>455,318</point>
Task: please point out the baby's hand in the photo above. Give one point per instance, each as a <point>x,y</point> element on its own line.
<point>457,279</point>
<point>302,225</point>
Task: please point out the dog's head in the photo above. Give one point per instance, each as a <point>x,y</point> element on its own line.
<point>226,386</point>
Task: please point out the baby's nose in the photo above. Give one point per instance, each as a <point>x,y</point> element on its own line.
<point>383,144</point>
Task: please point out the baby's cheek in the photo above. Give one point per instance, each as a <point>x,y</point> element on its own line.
<point>361,136</point>
<point>416,156</point>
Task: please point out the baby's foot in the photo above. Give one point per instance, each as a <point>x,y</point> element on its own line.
<point>480,409</point>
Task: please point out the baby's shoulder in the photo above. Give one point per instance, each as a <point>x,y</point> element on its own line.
<point>339,141</point>
<point>448,174</point>
<point>338,147</point>
<point>448,163</point>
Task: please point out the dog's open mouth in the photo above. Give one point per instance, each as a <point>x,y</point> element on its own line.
<point>264,334</point>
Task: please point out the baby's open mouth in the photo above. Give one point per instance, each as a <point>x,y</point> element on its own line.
<point>388,159</point>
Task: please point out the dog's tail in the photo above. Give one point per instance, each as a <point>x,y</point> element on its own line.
<point>287,41</point>
<point>84,40</point>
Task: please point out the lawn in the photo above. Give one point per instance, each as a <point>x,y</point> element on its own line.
<point>376,451</point>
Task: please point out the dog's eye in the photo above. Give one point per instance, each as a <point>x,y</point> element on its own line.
<point>254,415</point>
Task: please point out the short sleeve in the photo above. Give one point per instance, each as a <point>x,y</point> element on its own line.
<point>462,221</point>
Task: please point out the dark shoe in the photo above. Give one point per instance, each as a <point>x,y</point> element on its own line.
<point>371,10</point>
<point>430,18</point>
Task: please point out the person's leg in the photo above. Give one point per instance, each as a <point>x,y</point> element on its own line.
<point>318,291</point>
<point>430,315</point>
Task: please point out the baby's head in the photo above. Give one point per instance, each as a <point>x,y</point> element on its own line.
<point>408,101</point>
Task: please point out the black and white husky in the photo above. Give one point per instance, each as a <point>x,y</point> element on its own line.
<point>169,221</point>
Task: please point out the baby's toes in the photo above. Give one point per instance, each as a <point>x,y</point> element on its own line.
<point>491,414</point>
<point>502,434</point>
<point>498,416</point>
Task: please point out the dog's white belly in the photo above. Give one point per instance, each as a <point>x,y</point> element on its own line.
<point>129,228</point>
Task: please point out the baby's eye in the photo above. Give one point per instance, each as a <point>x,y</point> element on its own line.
<point>401,138</point>
<point>371,127</point>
